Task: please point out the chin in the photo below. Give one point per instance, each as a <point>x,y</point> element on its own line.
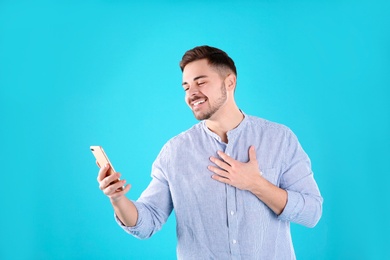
<point>201,116</point>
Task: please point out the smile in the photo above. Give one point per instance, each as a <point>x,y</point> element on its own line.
<point>198,102</point>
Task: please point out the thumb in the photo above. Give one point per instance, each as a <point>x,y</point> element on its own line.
<point>252,153</point>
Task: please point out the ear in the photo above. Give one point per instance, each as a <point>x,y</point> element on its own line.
<point>230,81</point>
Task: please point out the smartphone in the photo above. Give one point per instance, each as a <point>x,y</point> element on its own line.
<point>102,160</point>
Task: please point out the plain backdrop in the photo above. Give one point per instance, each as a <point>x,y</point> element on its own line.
<point>81,73</point>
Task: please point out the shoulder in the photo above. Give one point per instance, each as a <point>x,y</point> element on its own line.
<point>268,130</point>
<point>186,137</point>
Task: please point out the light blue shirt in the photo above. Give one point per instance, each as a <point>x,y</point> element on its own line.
<point>219,221</point>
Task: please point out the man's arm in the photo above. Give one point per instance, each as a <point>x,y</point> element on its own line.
<point>124,209</point>
<point>297,199</point>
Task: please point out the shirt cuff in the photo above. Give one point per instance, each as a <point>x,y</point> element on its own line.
<point>293,206</point>
<point>135,230</point>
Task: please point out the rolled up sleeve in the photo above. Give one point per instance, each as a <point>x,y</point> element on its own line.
<point>154,205</point>
<point>304,201</point>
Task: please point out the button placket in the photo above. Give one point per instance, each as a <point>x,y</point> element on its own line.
<point>231,193</point>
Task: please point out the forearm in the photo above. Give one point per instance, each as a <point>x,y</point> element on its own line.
<point>125,211</point>
<point>274,197</point>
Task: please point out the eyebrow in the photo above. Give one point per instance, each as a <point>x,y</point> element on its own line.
<point>196,78</point>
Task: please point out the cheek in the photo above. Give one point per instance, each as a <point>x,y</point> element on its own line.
<point>186,98</point>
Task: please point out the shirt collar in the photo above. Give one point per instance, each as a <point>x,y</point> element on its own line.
<point>230,133</point>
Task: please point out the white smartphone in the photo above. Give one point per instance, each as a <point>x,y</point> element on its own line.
<point>102,160</point>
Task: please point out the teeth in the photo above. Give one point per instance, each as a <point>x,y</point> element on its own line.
<point>198,102</point>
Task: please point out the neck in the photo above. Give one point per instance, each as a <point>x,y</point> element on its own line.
<point>225,122</point>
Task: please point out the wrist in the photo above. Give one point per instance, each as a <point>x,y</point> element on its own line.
<point>116,201</point>
<point>258,186</point>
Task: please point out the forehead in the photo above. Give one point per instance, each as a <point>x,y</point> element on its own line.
<point>197,68</point>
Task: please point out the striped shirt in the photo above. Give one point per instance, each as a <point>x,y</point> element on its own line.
<point>219,221</point>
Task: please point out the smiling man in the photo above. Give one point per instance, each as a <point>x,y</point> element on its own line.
<point>235,181</point>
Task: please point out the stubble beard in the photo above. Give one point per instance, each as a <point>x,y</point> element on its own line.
<point>213,108</point>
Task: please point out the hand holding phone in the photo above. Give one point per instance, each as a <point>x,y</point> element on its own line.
<point>102,160</point>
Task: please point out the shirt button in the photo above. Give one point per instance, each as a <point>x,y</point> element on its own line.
<point>234,241</point>
<point>232,212</point>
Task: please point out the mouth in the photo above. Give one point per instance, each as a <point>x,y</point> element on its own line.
<point>198,102</point>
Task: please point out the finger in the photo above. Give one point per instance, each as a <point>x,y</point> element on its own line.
<point>120,193</point>
<point>97,163</point>
<point>103,173</point>
<point>124,187</point>
<point>220,179</point>
<point>109,180</point>
<point>252,153</point>
<point>220,163</point>
<point>114,187</point>
<point>229,160</point>
<point>218,171</point>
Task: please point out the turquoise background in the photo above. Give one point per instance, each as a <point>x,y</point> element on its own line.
<point>81,73</point>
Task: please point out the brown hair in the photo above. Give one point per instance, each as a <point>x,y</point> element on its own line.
<point>216,58</point>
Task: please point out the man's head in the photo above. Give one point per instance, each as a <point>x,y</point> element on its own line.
<point>209,81</point>
<point>217,59</point>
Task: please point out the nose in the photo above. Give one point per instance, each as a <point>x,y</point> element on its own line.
<point>193,90</point>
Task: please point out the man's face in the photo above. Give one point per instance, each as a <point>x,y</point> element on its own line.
<point>205,89</point>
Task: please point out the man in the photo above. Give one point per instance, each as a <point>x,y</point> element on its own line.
<point>235,181</point>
